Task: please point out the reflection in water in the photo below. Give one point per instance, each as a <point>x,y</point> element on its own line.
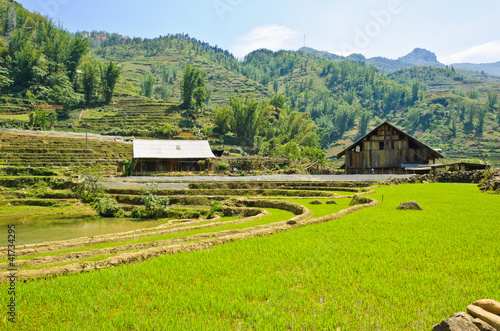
<point>33,230</point>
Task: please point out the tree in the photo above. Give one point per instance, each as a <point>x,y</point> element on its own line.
<point>90,80</point>
<point>61,93</point>
<point>26,62</point>
<point>415,88</point>
<point>453,128</point>
<point>413,118</point>
<point>148,83</point>
<point>78,49</point>
<point>5,81</point>
<point>278,101</point>
<point>42,119</point>
<point>481,114</point>
<point>222,120</point>
<point>110,74</point>
<point>492,99</point>
<point>192,79</point>
<point>364,122</point>
<point>471,113</point>
<point>200,95</point>
<point>473,94</point>
<point>245,119</point>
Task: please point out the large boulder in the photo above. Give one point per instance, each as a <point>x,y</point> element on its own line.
<point>463,322</point>
<point>491,306</point>
<point>456,323</point>
<point>409,205</point>
<point>478,312</point>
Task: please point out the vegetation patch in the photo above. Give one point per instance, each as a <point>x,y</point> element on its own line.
<point>265,279</point>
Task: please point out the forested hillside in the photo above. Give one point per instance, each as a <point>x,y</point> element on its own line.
<point>277,103</point>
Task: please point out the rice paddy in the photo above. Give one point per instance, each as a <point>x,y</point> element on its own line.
<point>376,269</point>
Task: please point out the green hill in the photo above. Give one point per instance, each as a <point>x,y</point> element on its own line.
<point>490,68</point>
<point>344,97</point>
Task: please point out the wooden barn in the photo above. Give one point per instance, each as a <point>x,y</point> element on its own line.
<point>387,150</point>
<point>170,155</point>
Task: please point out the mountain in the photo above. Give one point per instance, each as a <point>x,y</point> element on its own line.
<point>421,57</point>
<point>324,54</point>
<point>418,57</point>
<point>387,65</point>
<point>489,68</point>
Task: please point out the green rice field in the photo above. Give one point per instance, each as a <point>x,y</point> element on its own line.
<point>375,269</point>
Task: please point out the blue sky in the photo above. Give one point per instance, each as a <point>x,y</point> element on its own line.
<point>457,31</point>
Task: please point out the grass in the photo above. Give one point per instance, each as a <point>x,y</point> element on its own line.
<point>276,215</point>
<point>323,209</point>
<point>22,117</point>
<point>376,269</point>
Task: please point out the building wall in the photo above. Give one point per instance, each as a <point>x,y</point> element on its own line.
<point>385,152</point>
<point>161,165</point>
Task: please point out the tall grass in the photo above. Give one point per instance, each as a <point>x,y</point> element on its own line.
<point>377,269</point>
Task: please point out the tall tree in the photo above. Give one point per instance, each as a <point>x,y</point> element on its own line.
<point>492,99</point>
<point>110,72</point>
<point>415,88</point>
<point>222,120</point>
<point>90,80</point>
<point>148,83</point>
<point>78,49</point>
<point>192,79</point>
<point>481,114</point>
<point>199,95</point>
<point>245,119</point>
<point>364,122</point>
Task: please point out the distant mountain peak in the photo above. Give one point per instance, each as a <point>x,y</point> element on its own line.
<point>421,57</point>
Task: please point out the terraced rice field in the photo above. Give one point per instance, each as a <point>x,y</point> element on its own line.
<point>246,213</point>
<point>25,149</point>
<point>374,269</point>
<point>129,116</point>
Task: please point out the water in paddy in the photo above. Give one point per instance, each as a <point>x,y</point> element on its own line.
<point>33,230</point>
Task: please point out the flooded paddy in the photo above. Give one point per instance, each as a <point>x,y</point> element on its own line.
<point>42,228</point>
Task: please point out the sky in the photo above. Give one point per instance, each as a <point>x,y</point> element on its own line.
<point>456,30</point>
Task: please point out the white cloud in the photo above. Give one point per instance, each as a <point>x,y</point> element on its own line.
<point>485,53</point>
<point>273,37</point>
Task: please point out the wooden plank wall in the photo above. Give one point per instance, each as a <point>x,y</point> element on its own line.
<point>384,152</point>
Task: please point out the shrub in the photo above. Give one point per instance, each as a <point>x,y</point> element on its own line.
<point>216,207</point>
<point>222,166</point>
<point>107,207</point>
<point>155,207</point>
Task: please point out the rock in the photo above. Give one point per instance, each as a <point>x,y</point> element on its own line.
<point>489,318</point>
<point>358,200</point>
<point>315,202</point>
<point>458,322</point>
<point>481,325</point>
<point>291,222</point>
<point>491,306</point>
<point>331,202</point>
<point>409,205</point>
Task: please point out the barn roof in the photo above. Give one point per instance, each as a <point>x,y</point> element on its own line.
<point>434,153</point>
<point>172,149</point>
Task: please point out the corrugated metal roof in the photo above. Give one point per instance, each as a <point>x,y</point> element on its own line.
<point>172,149</point>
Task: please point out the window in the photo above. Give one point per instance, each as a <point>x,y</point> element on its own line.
<point>381,145</point>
